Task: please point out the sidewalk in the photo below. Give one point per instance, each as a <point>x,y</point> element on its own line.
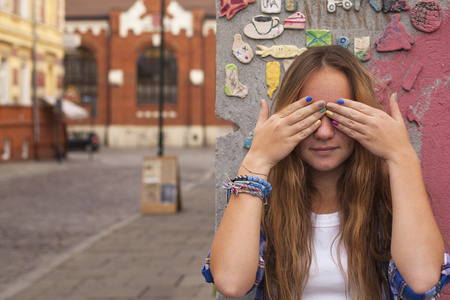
<point>143,257</point>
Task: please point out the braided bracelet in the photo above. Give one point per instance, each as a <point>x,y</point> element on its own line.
<point>250,185</point>
<point>254,179</point>
<point>263,188</point>
<point>243,187</point>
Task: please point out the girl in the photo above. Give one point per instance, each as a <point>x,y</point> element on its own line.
<point>348,198</point>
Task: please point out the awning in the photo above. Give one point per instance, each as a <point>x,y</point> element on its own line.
<point>70,109</point>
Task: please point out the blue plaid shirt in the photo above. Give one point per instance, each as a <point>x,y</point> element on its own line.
<point>399,288</point>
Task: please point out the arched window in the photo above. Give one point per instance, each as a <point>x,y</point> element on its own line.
<point>81,72</point>
<point>148,77</point>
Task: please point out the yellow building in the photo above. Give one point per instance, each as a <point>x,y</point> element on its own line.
<point>31,67</point>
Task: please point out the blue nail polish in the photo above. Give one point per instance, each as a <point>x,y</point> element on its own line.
<point>308,99</point>
<point>340,101</point>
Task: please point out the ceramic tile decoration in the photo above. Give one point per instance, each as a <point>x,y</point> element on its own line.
<point>231,7</point>
<point>357,5</point>
<point>362,48</point>
<point>273,72</point>
<point>248,141</point>
<point>264,27</point>
<point>427,15</point>
<point>271,6</point>
<point>409,80</point>
<point>343,41</point>
<point>395,36</point>
<point>280,51</point>
<point>295,21</point>
<point>290,5</point>
<point>317,38</point>
<point>395,5</point>
<point>287,63</point>
<point>232,85</point>
<point>375,5</point>
<point>332,4</point>
<point>241,50</point>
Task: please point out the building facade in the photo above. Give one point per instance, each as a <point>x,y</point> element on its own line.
<point>112,63</point>
<point>31,42</point>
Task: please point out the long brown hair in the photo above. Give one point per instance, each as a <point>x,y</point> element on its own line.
<point>363,193</point>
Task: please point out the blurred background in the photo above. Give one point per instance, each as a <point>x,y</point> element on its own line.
<point>88,89</point>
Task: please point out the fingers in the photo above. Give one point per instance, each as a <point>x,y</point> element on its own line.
<point>295,106</point>
<point>263,112</point>
<point>317,109</point>
<point>349,127</point>
<point>307,116</point>
<point>295,122</point>
<point>395,110</point>
<point>307,127</point>
<point>352,110</point>
<point>351,117</point>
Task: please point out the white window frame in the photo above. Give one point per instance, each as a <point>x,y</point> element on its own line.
<point>4,82</point>
<point>6,154</point>
<point>25,148</point>
<point>24,8</point>
<point>6,5</point>
<point>25,84</point>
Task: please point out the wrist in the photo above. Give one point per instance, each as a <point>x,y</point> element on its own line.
<point>256,166</point>
<point>403,158</point>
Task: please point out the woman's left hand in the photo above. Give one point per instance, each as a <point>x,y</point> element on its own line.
<point>416,243</point>
<point>382,134</point>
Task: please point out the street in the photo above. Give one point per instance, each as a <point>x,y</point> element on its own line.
<point>48,208</point>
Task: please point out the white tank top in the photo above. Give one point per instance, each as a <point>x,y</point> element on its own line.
<point>325,278</point>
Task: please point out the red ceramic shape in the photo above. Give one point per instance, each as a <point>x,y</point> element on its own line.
<point>395,36</point>
<point>427,15</point>
<point>231,7</point>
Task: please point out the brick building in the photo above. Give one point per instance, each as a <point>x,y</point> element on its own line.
<point>112,62</point>
<point>30,27</point>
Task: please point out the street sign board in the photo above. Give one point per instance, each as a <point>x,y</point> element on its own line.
<point>160,185</point>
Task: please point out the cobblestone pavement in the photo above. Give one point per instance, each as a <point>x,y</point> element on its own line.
<point>49,208</point>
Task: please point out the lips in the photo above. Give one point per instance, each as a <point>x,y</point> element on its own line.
<point>324,150</point>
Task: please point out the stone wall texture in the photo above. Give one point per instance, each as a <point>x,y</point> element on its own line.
<point>425,107</point>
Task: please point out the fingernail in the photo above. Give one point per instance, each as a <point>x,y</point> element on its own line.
<point>340,101</point>
<point>396,96</point>
<point>322,110</point>
<point>308,99</point>
<point>335,123</point>
<point>318,122</point>
<point>329,113</point>
<point>321,103</point>
<point>330,105</point>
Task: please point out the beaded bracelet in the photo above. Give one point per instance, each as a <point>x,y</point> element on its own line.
<point>250,185</point>
<point>254,179</point>
<point>238,187</point>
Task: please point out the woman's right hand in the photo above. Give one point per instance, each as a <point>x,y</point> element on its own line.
<point>235,251</point>
<point>276,136</point>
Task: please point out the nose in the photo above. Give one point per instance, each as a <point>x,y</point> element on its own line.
<point>326,129</point>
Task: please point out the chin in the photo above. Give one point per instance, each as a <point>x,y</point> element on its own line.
<point>325,167</point>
